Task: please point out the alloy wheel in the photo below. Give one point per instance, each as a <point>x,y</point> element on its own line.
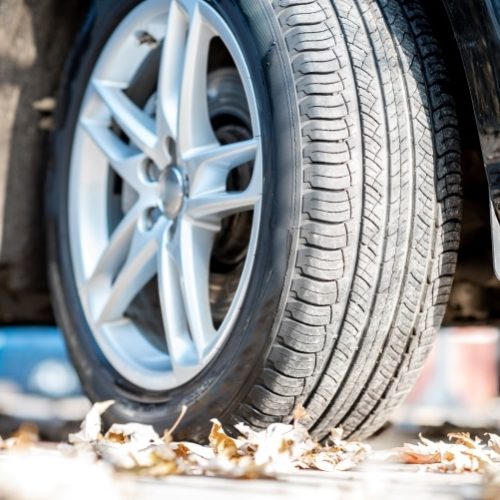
<point>149,192</point>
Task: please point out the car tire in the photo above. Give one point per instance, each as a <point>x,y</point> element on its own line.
<point>359,223</point>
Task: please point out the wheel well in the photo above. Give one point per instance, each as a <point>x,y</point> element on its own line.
<point>36,36</point>
<point>475,289</point>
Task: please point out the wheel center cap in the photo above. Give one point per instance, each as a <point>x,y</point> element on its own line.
<point>172,190</point>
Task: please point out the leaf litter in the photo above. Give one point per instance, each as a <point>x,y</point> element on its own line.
<point>281,448</point>
<point>278,449</point>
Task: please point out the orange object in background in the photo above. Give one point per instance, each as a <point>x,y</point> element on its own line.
<point>459,382</point>
<point>474,365</point>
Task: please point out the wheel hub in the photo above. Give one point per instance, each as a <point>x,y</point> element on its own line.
<point>172,190</point>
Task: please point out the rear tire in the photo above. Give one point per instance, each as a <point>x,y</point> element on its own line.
<point>361,211</point>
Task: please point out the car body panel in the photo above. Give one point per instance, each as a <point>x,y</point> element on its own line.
<point>476,25</point>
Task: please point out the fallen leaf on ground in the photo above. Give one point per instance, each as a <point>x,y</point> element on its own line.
<point>462,454</point>
<point>281,448</point>
<point>494,443</point>
<point>300,414</point>
<point>221,443</point>
<point>25,437</point>
<point>278,449</point>
<point>91,427</point>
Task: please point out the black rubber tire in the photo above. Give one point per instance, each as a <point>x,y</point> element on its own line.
<point>362,218</point>
<point>381,207</point>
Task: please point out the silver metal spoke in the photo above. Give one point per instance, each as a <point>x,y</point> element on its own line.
<point>118,246</point>
<point>137,125</point>
<point>193,106</point>
<point>124,160</point>
<point>193,254</point>
<point>176,328</point>
<point>208,167</point>
<point>226,156</point>
<point>222,204</point>
<point>171,67</point>
<point>188,6</point>
<point>139,268</point>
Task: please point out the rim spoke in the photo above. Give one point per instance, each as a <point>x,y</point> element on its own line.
<point>118,246</point>
<point>124,160</point>
<point>188,6</point>
<point>222,204</point>
<point>194,251</point>
<point>194,128</point>
<point>226,156</point>
<point>138,269</point>
<point>209,167</point>
<point>173,315</point>
<point>170,77</point>
<point>136,124</point>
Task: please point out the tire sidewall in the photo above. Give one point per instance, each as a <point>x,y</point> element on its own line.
<point>224,383</point>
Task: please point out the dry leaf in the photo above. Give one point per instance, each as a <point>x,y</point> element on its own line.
<point>141,435</point>
<point>25,437</point>
<point>130,446</point>
<point>167,435</point>
<point>300,414</point>
<point>90,429</point>
<point>220,442</point>
<point>494,443</point>
<point>464,438</point>
<point>336,435</point>
<point>464,455</point>
<point>422,453</point>
<point>193,450</point>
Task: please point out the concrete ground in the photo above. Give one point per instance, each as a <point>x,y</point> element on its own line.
<point>42,476</point>
<point>46,474</point>
<point>373,480</point>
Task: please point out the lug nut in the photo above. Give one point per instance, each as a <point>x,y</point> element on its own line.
<point>151,170</point>
<point>151,217</point>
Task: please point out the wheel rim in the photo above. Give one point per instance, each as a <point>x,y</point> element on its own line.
<point>175,172</point>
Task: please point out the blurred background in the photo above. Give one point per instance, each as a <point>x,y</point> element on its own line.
<point>38,383</point>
